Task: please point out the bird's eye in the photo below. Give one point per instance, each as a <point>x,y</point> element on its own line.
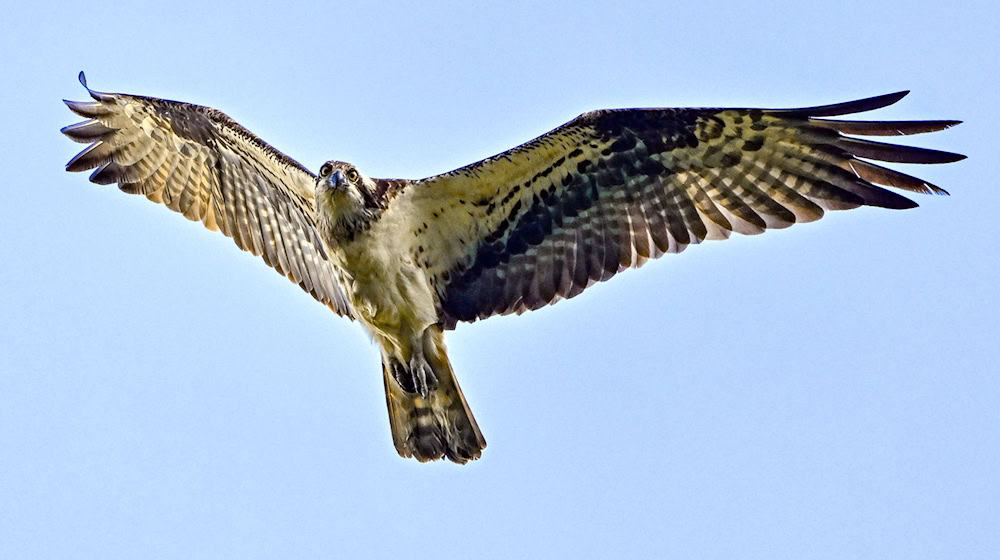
<point>352,175</point>
<point>325,170</point>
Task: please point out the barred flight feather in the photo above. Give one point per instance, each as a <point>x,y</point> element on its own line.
<point>613,188</point>
<point>199,163</point>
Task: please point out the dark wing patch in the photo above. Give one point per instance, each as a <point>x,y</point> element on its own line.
<point>197,161</point>
<point>612,189</point>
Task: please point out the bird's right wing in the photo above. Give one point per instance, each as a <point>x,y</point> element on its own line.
<point>202,164</point>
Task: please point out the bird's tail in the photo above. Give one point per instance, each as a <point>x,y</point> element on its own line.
<point>440,425</point>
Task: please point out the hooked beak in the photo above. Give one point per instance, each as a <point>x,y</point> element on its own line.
<point>336,181</point>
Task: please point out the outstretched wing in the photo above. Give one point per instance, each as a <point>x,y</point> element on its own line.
<point>199,162</point>
<point>613,188</point>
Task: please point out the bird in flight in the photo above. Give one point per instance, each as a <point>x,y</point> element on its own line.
<point>409,259</point>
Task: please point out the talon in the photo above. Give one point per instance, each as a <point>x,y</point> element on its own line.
<point>420,380</point>
<point>403,377</point>
<point>424,380</point>
<point>431,379</point>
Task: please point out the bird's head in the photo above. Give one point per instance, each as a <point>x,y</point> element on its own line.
<point>346,199</point>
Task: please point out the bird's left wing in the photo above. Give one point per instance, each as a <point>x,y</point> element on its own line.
<point>613,188</point>
<point>197,161</point>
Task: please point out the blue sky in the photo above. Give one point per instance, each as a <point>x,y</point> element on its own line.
<point>826,391</point>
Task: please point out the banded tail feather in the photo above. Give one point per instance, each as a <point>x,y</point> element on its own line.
<point>440,425</point>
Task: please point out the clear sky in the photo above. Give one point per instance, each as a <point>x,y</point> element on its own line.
<point>164,395</point>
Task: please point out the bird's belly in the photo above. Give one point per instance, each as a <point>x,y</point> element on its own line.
<point>389,293</point>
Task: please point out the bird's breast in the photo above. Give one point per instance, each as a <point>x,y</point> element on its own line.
<point>385,286</point>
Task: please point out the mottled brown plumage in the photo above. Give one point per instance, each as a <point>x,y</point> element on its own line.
<point>612,189</point>
<point>515,232</point>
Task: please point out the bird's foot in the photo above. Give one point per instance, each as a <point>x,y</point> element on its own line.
<point>418,378</point>
<point>423,376</point>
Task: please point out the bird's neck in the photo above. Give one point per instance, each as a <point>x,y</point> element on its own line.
<point>340,222</point>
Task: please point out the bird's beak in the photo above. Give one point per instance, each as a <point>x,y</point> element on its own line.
<point>335,181</point>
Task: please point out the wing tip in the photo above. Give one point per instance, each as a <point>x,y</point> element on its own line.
<point>884,198</point>
<point>937,156</point>
<point>845,107</point>
<point>883,128</point>
<point>97,95</point>
<point>896,95</point>
<point>105,174</point>
<point>939,125</point>
<point>884,100</point>
<point>86,159</point>
<point>896,153</point>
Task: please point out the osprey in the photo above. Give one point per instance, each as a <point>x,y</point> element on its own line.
<point>409,259</point>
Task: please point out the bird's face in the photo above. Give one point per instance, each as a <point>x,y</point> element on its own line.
<point>339,179</point>
<point>345,198</point>
<point>341,188</point>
